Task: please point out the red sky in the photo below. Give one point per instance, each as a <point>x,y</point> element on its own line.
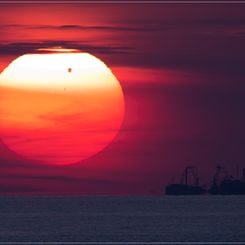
<point>181,67</point>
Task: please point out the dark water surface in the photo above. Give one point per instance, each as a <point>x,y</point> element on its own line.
<point>149,219</point>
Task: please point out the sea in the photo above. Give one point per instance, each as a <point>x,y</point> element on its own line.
<point>203,219</point>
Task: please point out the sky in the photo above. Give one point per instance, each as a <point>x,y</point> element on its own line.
<point>181,68</point>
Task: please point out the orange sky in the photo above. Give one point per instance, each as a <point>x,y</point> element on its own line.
<point>181,68</point>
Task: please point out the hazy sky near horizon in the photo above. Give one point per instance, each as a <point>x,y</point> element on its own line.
<point>181,67</point>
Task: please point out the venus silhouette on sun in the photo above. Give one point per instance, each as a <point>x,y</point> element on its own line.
<point>59,107</point>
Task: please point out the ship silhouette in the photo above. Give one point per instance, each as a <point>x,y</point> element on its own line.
<point>222,183</point>
<point>225,184</point>
<point>189,184</point>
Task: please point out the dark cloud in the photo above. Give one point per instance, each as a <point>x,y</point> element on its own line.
<point>111,28</point>
<point>46,182</point>
<point>19,48</point>
<point>57,177</point>
<point>209,44</point>
<point>96,28</point>
<point>142,24</point>
<point>9,189</point>
<point>160,23</point>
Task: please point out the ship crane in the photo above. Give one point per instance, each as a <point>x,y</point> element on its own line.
<point>189,177</point>
<point>220,175</point>
<point>225,184</point>
<point>189,184</point>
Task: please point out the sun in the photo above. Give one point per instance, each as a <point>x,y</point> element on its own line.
<point>59,107</point>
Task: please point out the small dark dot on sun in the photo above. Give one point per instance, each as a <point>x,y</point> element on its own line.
<point>69,69</point>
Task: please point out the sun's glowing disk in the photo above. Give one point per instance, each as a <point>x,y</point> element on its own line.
<point>59,108</point>
<point>50,72</point>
